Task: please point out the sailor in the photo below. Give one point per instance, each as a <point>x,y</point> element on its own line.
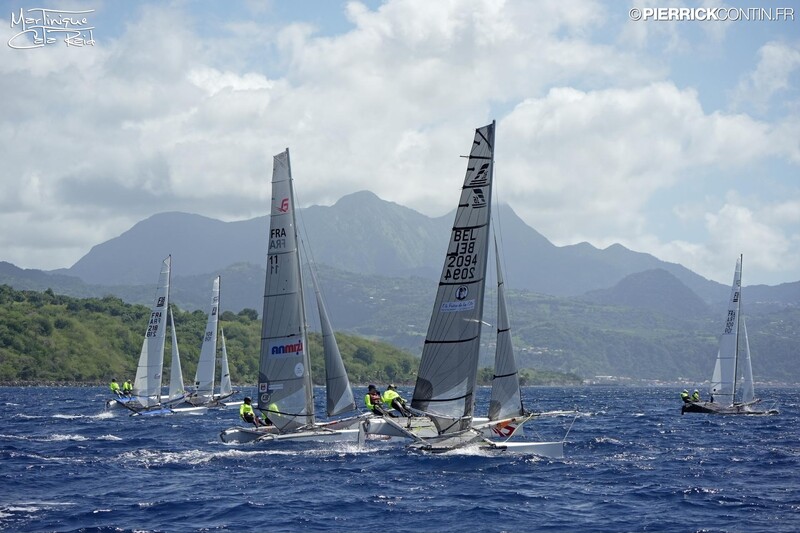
<point>395,401</point>
<point>374,402</point>
<point>696,396</point>
<point>685,396</point>
<point>248,415</point>
<point>114,386</point>
<point>127,388</point>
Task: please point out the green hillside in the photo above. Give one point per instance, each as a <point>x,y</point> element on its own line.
<point>45,337</point>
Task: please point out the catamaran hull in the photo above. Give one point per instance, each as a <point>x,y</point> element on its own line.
<point>552,450</point>
<point>424,428</point>
<point>241,435</point>
<point>719,409</point>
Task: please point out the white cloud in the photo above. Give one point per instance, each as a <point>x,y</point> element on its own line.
<point>777,62</point>
<point>161,118</point>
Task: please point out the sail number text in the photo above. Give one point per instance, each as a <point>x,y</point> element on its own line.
<point>461,262</point>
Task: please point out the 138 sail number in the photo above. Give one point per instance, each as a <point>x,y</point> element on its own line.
<point>461,262</point>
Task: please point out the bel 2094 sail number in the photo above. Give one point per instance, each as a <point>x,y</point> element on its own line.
<point>461,261</point>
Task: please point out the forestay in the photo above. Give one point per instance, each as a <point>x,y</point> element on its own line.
<point>447,375</point>
<point>284,379</point>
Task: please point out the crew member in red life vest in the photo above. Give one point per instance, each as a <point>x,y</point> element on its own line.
<point>374,402</point>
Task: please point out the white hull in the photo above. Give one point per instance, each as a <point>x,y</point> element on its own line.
<point>553,450</point>
<point>424,428</point>
<point>242,435</point>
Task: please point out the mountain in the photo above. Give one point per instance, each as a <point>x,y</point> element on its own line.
<point>655,290</point>
<point>574,308</point>
<point>363,234</point>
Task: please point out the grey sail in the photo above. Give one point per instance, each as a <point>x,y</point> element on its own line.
<point>206,366</point>
<point>337,385</point>
<point>284,378</point>
<point>506,399</point>
<point>723,380</point>
<point>447,375</point>
<point>147,384</point>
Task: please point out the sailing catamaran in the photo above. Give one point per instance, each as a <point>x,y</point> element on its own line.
<point>444,395</point>
<point>285,389</point>
<point>203,393</point>
<point>146,397</point>
<point>727,395</point>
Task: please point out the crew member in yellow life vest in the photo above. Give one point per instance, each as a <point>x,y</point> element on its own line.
<point>696,396</point>
<point>127,388</point>
<point>685,396</point>
<point>395,401</point>
<point>248,415</point>
<point>374,402</point>
<point>114,386</point>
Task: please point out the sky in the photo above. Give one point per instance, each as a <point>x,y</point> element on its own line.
<point>615,123</point>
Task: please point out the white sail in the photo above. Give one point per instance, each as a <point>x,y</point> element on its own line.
<point>448,369</point>
<point>506,398</point>
<point>176,387</point>
<point>225,385</point>
<point>337,385</point>
<point>147,384</point>
<point>206,366</point>
<point>723,380</point>
<point>284,378</point>
<point>747,390</point>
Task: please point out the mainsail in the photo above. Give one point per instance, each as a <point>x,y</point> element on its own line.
<point>147,384</point>
<point>730,358</point>
<point>284,377</point>
<point>447,375</point>
<point>337,385</point>
<point>206,366</point>
<point>506,399</point>
<point>176,387</point>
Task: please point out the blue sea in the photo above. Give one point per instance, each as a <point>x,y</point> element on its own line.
<point>633,463</point>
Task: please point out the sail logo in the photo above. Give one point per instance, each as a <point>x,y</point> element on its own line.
<point>295,348</point>
<point>504,429</point>
<point>160,302</point>
<point>481,177</point>
<point>478,199</point>
<point>455,307</point>
<point>284,208</point>
<point>461,292</point>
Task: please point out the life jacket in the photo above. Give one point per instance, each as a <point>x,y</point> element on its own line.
<point>114,386</point>
<point>127,386</point>
<point>245,409</point>
<point>389,396</point>
<point>372,399</point>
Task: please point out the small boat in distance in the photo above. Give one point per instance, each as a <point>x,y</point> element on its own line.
<point>205,376</point>
<point>729,396</point>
